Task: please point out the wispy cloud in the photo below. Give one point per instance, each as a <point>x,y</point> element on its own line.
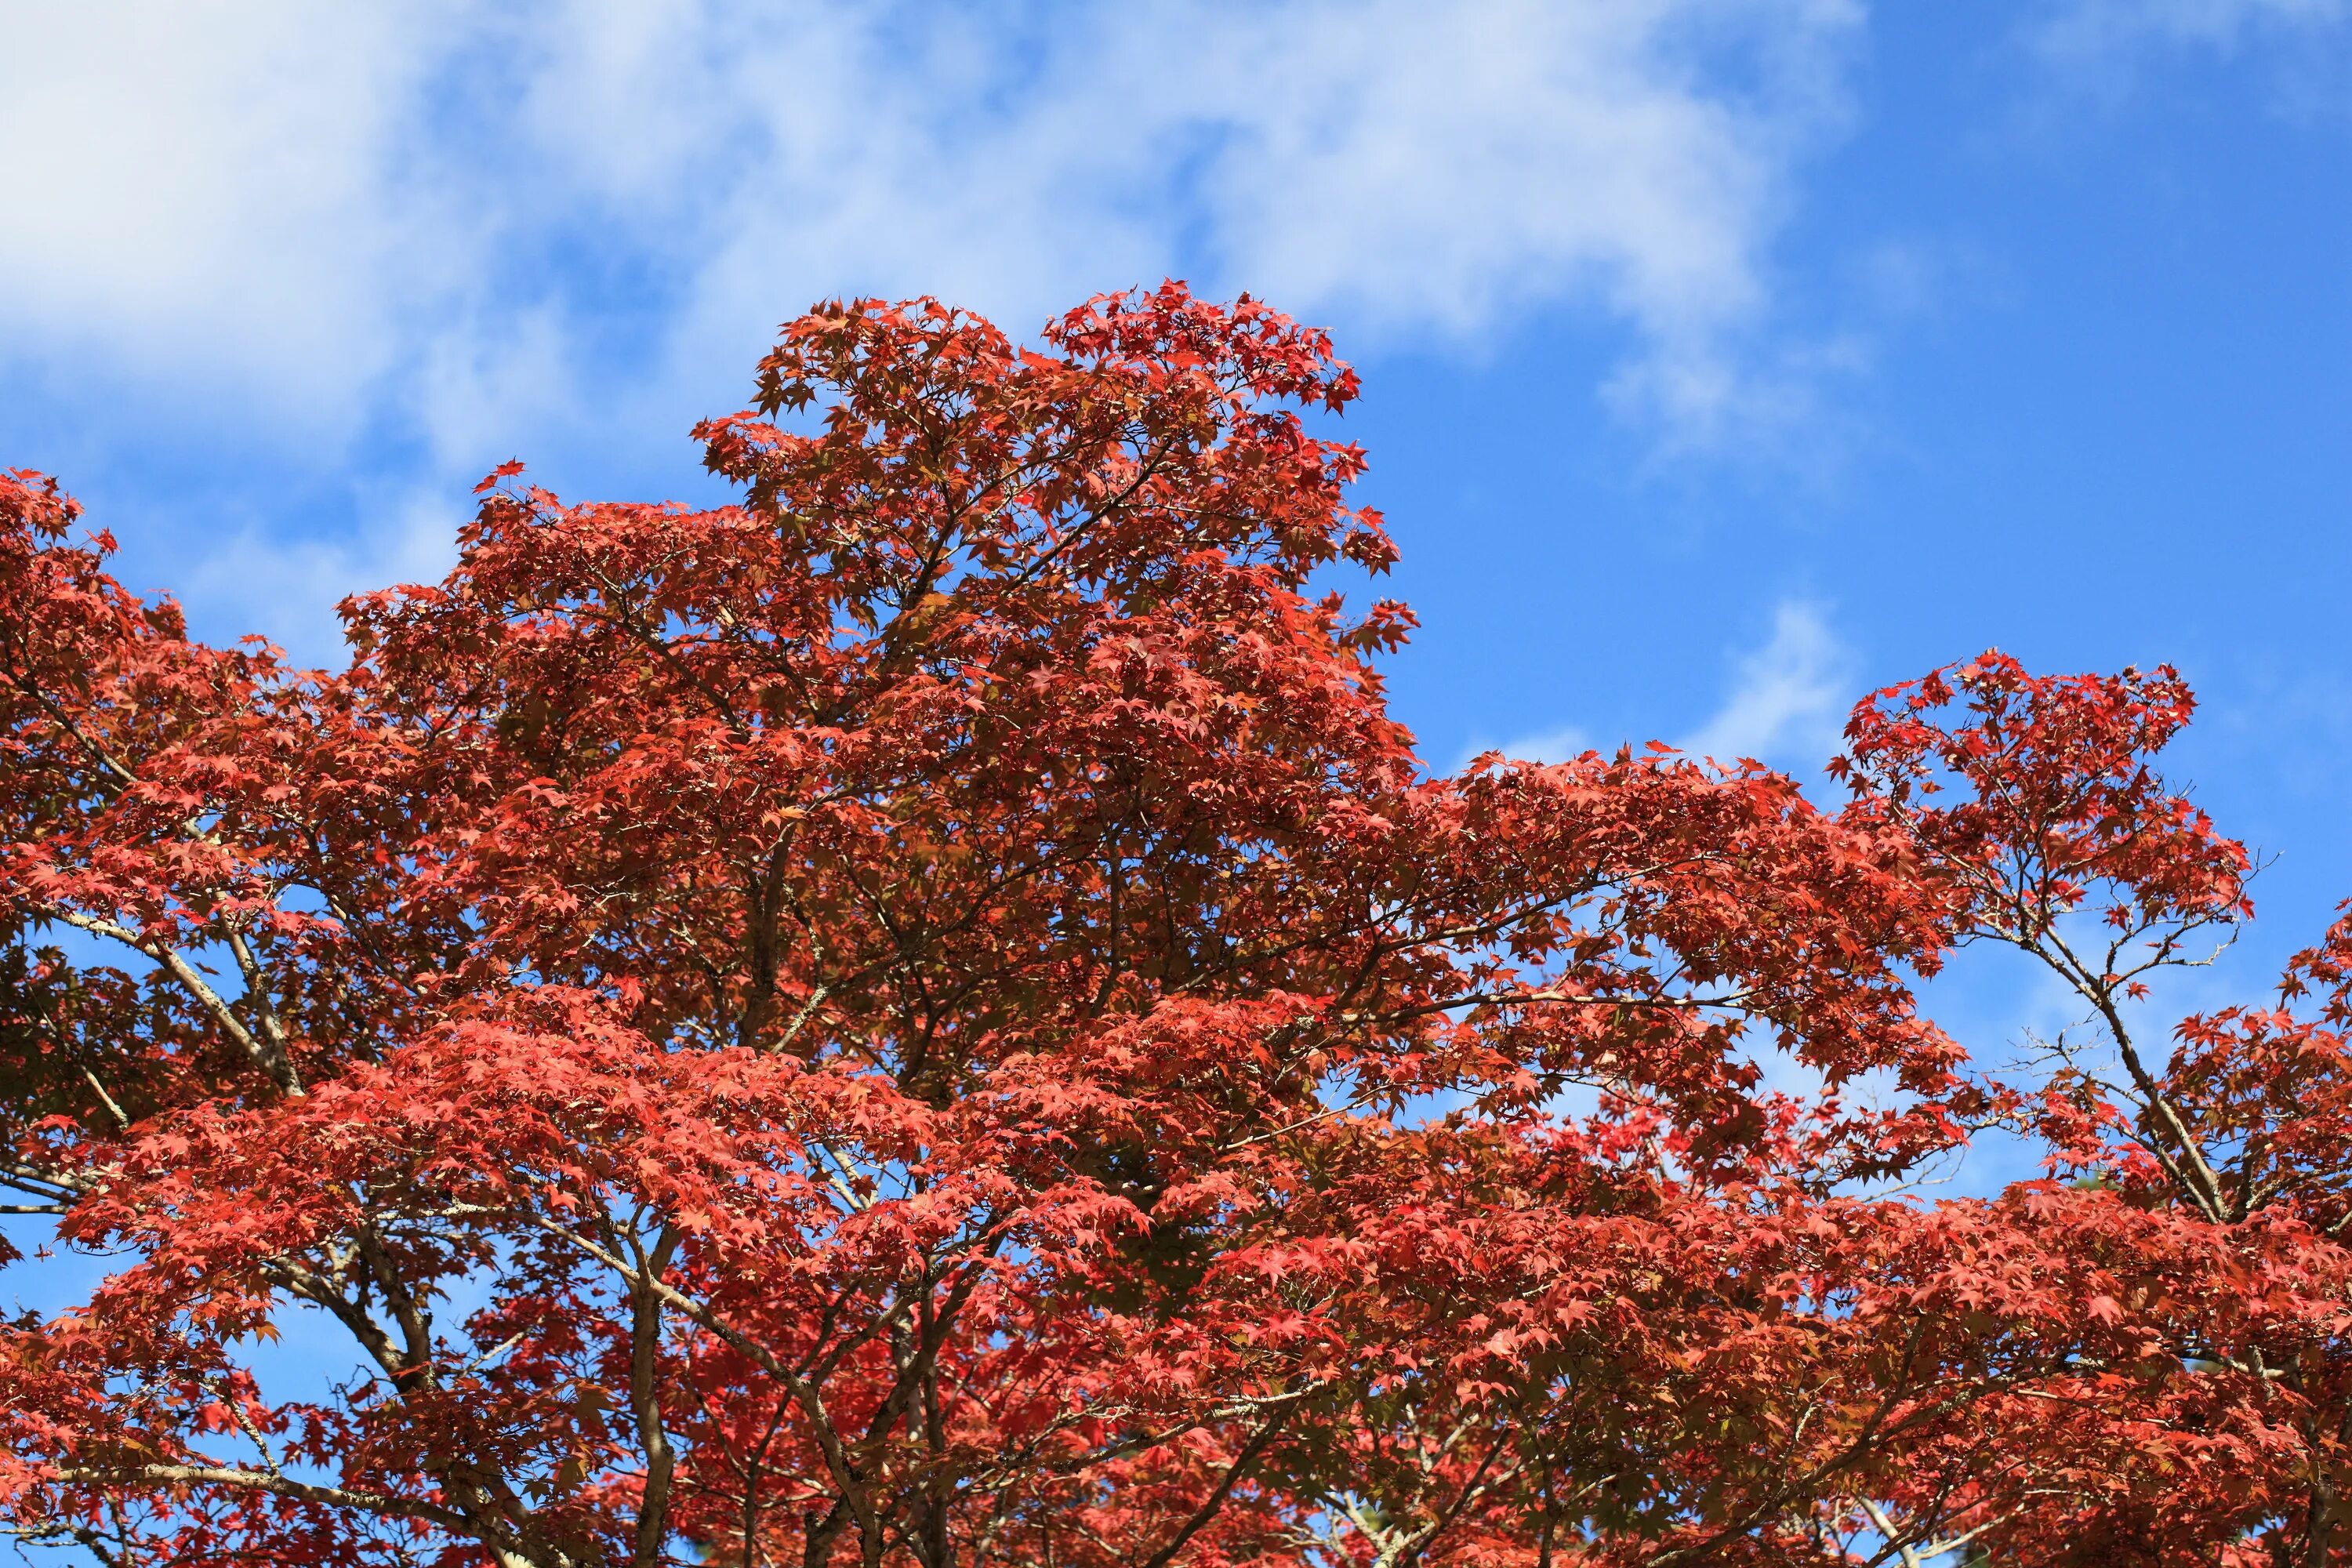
<point>466,214</point>
<point>1788,698</point>
<point>219,191</point>
<point>1547,746</point>
<point>1784,702</point>
<point>2107,49</point>
<point>286,589</point>
<point>2087,30</point>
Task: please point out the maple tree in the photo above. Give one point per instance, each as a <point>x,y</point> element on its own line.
<point>929,1015</point>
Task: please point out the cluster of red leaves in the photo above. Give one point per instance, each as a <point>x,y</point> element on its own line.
<point>930,1017</point>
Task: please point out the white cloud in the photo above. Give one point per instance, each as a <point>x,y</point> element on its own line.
<point>2109,53</point>
<point>334,209</point>
<point>1548,746</point>
<point>1786,702</point>
<point>215,190</point>
<point>1789,698</point>
<point>2087,31</point>
<point>446,234</point>
<point>287,589</point>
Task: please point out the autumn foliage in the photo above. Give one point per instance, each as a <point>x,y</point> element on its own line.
<point>931,1016</point>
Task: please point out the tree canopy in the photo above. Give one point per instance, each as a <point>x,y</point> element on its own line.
<point>930,1017</point>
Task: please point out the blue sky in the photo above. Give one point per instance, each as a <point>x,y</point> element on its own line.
<point>1723,358</point>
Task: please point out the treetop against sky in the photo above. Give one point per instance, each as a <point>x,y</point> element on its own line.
<point>1722,360</point>
<point>930,1015</point>
<point>1713,365</point>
